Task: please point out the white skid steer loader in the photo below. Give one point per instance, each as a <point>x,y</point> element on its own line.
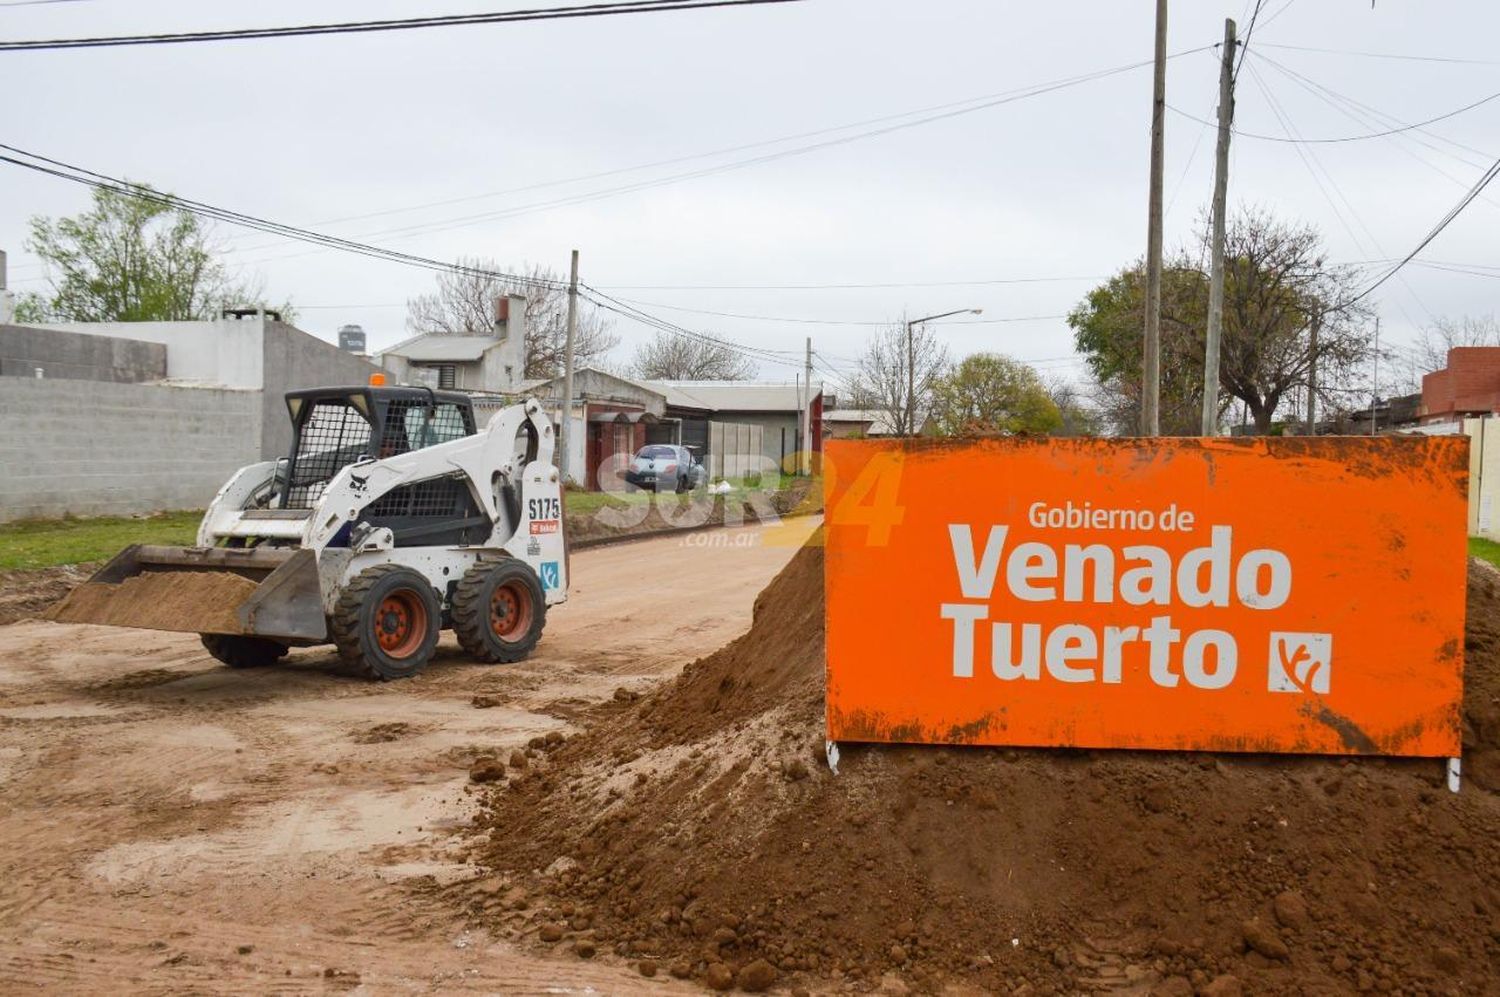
<point>394,517</point>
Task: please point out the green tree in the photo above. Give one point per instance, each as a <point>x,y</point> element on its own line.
<point>132,258</point>
<point>990,393</point>
<point>1286,308</point>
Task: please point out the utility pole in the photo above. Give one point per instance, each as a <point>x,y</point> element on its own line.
<point>1151,386</point>
<point>565,426</point>
<point>911,383</point>
<point>1216,271</point>
<point>1375,383</point>
<point>1312,376</point>
<point>804,462</point>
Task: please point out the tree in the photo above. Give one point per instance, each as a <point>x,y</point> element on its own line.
<point>990,393</point>
<point>1080,417</point>
<point>132,258</point>
<point>1430,352</point>
<point>671,356</point>
<point>881,381</point>
<point>1285,308</point>
<point>464,305</point>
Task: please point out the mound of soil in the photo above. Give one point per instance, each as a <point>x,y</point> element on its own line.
<point>28,594</point>
<point>700,830</point>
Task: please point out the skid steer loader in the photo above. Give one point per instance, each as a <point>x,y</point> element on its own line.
<point>393,517</point>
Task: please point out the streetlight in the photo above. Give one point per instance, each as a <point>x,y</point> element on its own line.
<point>911,362</point>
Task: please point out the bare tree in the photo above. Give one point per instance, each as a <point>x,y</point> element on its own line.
<point>1430,351</point>
<point>464,305</point>
<point>897,378</point>
<point>671,356</point>
<point>1080,415</point>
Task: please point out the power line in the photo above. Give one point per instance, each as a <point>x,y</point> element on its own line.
<point>1310,160</point>
<point>396,24</point>
<point>813,321</point>
<point>1022,93</point>
<point>1348,138</point>
<point>1384,55</point>
<point>1464,202</point>
<point>842,287</point>
<point>99,181</point>
<point>1245,45</point>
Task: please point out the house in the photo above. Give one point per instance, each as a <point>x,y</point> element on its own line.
<point>1468,387</point>
<point>844,423</point>
<point>736,427</point>
<point>776,408</point>
<point>493,361</point>
<point>611,414</point>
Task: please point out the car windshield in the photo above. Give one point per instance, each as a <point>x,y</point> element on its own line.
<point>656,453</point>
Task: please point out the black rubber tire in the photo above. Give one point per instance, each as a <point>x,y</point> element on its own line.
<point>238,651</point>
<point>357,617</point>
<point>474,602</point>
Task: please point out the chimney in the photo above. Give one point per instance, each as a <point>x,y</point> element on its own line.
<point>509,361</point>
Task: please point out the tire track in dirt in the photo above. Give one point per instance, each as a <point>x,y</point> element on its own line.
<point>163,813</point>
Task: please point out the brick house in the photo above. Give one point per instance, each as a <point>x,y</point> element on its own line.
<point>1469,386</point>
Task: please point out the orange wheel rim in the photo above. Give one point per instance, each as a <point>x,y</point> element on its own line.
<point>510,611</point>
<point>400,624</point>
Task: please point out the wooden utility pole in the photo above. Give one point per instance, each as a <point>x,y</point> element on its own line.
<point>565,425</point>
<point>1215,328</point>
<point>804,462</point>
<point>911,383</point>
<point>1151,385</point>
<point>1375,379</point>
<point>1312,376</point>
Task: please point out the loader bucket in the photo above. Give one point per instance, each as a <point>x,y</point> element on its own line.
<point>265,592</point>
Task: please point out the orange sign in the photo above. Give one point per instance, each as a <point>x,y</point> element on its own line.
<point>1295,595</point>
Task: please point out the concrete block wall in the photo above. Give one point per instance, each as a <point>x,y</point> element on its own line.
<point>78,356</point>
<point>293,359</point>
<point>103,449</point>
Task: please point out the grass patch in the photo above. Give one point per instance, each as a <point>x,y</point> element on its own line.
<point>1485,550</point>
<point>43,543</point>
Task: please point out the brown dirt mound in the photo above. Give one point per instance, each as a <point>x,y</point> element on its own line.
<point>27,594</point>
<point>700,830</point>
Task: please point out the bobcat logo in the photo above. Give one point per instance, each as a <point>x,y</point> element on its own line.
<point>1300,662</point>
<point>359,484</point>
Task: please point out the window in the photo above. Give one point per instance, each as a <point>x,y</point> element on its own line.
<point>407,426</point>
<point>333,436</point>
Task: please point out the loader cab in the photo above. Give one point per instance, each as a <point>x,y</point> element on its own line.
<point>335,427</point>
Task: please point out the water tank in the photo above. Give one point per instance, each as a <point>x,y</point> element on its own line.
<point>352,339</point>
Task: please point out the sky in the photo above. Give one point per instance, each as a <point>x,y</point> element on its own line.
<point>1016,204</point>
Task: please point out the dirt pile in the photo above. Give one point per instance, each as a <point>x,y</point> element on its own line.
<point>189,601</point>
<point>27,594</point>
<point>699,830</point>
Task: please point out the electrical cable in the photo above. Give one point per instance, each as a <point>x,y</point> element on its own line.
<point>427,228</point>
<point>812,321</point>
<point>1384,55</point>
<point>1346,138</point>
<point>396,24</point>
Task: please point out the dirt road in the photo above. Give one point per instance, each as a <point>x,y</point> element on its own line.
<point>168,823</point>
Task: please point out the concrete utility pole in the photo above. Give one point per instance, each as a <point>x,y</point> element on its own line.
<point>1312,376</point>
<point>565,427</point>
<point>1216,270</point>
<point>1151,357</point>
<point>804,460</point>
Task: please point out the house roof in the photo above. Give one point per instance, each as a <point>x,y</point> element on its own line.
<point>433,347</point>
<point>651,387</point>
<point>880,422</point>
<point>737,396</point>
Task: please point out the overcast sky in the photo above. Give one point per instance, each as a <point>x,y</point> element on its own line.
<point>1050,189</point>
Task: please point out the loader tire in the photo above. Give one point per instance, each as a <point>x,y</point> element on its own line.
<point>244,652</point>
<point>386,622</point>
<point>499,611</point>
